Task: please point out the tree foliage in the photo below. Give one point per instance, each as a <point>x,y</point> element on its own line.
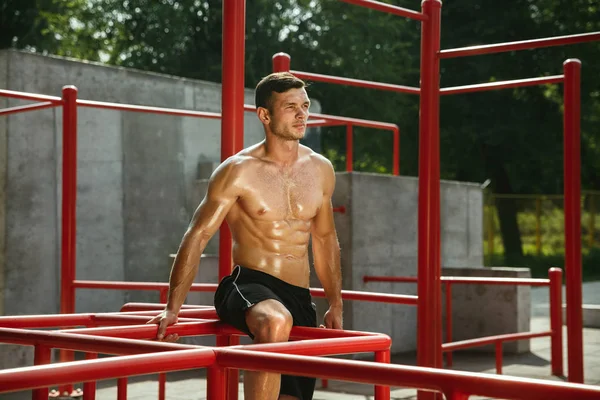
<point>512,137</point>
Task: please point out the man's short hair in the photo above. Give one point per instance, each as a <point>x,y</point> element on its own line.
<point>279,82</point>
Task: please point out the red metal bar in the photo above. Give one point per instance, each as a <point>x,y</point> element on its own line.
<point>107,368</point>
<point>480,87</point>
<point>340,209</point>
<point>69,211</point>
<point>520,45</point>
<point>349,148</point>
<point>147,109</point>
<point>281,62</point>
<point>463,280</point>
<point>366,296</point>
<point>499,357</point>
<point>196,287</point>
<point>428,254</point>
<point>28,107</point>
<point>572,189</point>
<point>42,355</point>
<point>450,382</point>
<point>216,383</point>
<point>388,8</point>
<point>28,96</point>
<point>89,388</point>
<point>232,103</point>
<point>162,378</point>
<point>323,122</point>
<point>356,82</point>
<point>382,392</point>
<point>507,337</point>
<point>396,154</point>
<point>233,374</point>
<point>449,322</point>
<point>122,389</point>
<point>556,340</point>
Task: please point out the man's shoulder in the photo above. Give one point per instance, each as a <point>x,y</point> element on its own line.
<point>315,157</point>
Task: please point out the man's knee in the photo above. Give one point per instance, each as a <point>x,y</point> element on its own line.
<point>270,322</point>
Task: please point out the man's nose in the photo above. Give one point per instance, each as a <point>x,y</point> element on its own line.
<point>302,114</point>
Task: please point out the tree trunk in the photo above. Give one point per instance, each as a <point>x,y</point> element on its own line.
<point>507,215</point>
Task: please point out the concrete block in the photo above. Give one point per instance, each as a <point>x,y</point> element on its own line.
<point>590,314</point>
<point>486,310</point>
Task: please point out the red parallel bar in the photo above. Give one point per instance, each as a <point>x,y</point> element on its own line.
<point>349,148</point>
<point>69,211</point>
<point>108,368</point>
<point>147,332</point>
<point>323,122</point>
<point>464,280</point>
<point>83,342</point>
<point>520,45</point>
<point>388,8</point>
<point>503,84</point>
<point>28,96</point>
<point>232,104</point>
<point>572,204</point>
<point>147,109</point>
<point>509,337</point>
<point>196,287</point>
<point>449,382</point>
<point>29,107</point>
<point>396,154</point>
<point>159,306</point>
<point>428,253</point>
<point>356,82</point>
<point>366,296</point>
<point>187,313</point>
<point>340,209</point>
<point>556,319</point>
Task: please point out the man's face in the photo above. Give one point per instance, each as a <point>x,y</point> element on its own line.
<point>289,113</point>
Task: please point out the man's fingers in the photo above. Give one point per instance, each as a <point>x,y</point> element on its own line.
<point>162,328</point>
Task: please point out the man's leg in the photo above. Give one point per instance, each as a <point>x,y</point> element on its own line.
<point>269,321</point>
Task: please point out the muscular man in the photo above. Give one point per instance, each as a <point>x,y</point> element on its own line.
<point>274,196</point>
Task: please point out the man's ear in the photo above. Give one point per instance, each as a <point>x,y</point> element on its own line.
<point>263,115</point>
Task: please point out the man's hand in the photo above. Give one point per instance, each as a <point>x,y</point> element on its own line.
<point>333,318</point>
<point>163,320</point>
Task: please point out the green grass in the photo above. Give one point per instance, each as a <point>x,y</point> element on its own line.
<point>550,252</point>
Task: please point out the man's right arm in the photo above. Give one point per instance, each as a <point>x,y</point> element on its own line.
<point>221,195</point>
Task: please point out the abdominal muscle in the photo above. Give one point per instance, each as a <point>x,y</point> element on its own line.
<point>278,248</point>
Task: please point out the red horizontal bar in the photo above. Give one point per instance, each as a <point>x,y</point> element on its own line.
<point>147,332</point>
<point>29,96</point>
<point>196,287</point>
<point>83,342</point>
<point>479,384</point>
<point>356,82</point>
<point>480,87</point>
<point>367,296</point>
<point>28,107</point>
<point>323,122</point>
<point>340,209</point>
<point>388,8</point>
<point>147,109</point>
<point>108,368</point>
<point>463,280</point>
<point>509,337</point>
<point>520,45</point>
<point>158,306</point>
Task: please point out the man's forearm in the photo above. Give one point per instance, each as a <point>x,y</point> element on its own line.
<point>184,270</point>
<point>326,252</point>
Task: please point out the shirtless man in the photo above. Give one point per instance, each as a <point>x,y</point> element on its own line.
<point>274,196</point>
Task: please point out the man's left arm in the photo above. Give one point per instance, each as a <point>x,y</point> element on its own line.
<point>326,252</point>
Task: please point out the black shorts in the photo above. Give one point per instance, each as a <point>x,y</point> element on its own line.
<point>244,288</point>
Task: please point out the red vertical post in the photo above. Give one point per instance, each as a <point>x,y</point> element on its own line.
<point>449,322</point>
<point>556,341</point>
<point>382,392</point>
<point>162,377</point>
<point>396,154</point>
<point>281,62</point>
<point>69,204</point>
<point>216,383</point>
<point>232,104</point>
<point>89,388</point>
<point>572,193</point>
<point>499,357</point>
<point>41,355</point>
<point>349,148</point>
<point>429,263</point>
<point>122,388</point>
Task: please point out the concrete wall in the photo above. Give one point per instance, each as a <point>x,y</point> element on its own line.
<point>378,236</point>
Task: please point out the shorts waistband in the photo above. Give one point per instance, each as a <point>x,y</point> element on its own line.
<point>250,274</point>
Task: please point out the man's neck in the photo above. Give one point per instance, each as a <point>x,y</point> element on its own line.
<point>284,152</point>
